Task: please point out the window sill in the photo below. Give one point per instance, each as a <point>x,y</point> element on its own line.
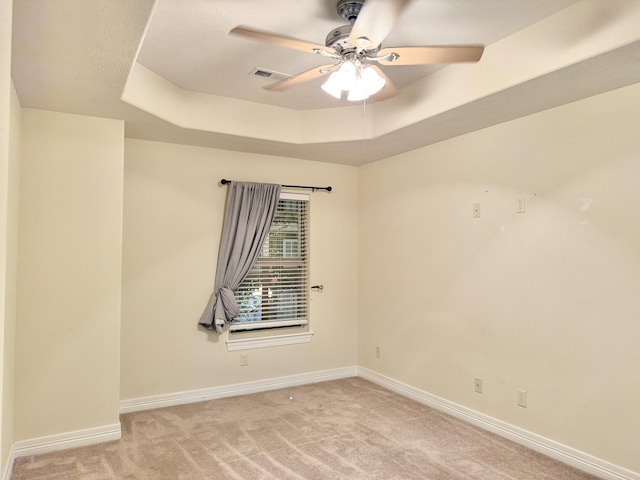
<point>237,327</point>
<point>268,341</point>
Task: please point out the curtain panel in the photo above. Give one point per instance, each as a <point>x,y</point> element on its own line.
<point>247,220</point>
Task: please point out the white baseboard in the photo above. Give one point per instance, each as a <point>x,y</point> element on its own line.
<point>62,441</point>
<point>563,453</point>
<point>192,396</point>
<point>558,451</point>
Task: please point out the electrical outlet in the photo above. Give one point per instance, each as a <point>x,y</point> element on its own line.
<point>377,352</point>
<point>522,398</point>
<point>244,359</point>
<point>476,210</point>
<point>478,384</point>
<point>520,207</point>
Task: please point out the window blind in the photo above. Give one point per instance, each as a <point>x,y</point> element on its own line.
<point>275,291</point>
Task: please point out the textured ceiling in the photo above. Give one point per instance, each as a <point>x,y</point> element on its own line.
<point>77,56</point>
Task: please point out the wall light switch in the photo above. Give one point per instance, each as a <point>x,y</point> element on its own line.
<point>522,398</point>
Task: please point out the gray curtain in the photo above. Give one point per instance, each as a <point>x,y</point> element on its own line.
<point>247,220</point>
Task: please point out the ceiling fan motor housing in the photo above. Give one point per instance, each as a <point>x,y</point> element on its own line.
<point>338,38</point>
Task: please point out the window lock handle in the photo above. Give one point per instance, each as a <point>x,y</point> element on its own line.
<point>317,288</point>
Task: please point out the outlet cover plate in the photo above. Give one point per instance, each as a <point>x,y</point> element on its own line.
<point>478,385</point>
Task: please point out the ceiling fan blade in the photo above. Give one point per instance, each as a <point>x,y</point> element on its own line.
<point>303,77</point>
<point>389,90</point>
<point>282,40</point>
<point>429,55</point>
<point>375,21</point>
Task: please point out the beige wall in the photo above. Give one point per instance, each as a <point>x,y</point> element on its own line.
<point>9,166</point>
<point>173,210</point>
<point>11,276</point>
<point>546,301</point>
<point>69,274</point>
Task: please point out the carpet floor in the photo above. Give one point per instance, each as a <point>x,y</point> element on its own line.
<point>343,429</point>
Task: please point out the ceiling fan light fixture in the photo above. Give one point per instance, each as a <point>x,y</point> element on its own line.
<point>346,76</point>
<point>331,86</point>
<point>368,84</point>
<point>360,83</point>
<point>373,81</point>
<point>357,93</point>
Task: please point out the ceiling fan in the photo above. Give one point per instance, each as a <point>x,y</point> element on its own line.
<point>357,50</point>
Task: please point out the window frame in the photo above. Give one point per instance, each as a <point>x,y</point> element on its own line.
<point>247,335</point>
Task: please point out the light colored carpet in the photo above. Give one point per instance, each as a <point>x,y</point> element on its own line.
<point>343,429</point>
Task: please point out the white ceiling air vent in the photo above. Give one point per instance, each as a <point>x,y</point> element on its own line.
<point>268,74</point>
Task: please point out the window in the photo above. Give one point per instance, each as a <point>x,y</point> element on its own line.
<point>275,292</point>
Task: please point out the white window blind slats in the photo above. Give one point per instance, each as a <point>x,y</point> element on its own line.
<point>275,292</point>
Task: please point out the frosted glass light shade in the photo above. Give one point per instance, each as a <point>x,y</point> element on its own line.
<point>346,76</point>
<point>358,92</point>
<point>368,84</point>
<point>359,83</point>
<point>373,81</point>
<point>331,86</point>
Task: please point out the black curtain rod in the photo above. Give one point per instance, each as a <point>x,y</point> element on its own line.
<point>224,181</point>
